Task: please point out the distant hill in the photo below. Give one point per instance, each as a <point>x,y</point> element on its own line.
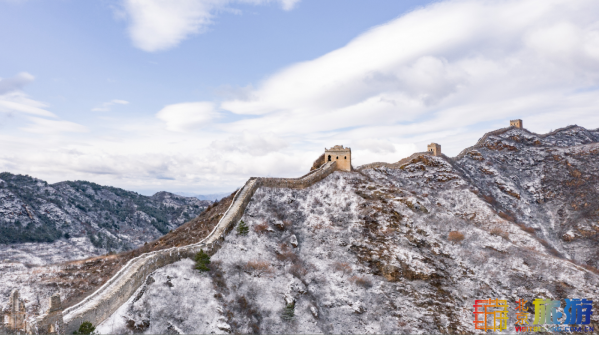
<point>31,210</point>
<point>209,197</point>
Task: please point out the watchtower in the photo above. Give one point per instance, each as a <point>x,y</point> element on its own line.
<point>52,322</point>
<point>434,149</point>
<point>340,155</point>
<point>517,123</point>
<point>15,318</point>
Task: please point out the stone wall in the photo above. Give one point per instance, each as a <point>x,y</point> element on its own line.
<point>52,321</point>
<point>115,292</point>
<point>392,165</point>
<point>318,162</point>
<point>16,322</point>
<point>299,183</point>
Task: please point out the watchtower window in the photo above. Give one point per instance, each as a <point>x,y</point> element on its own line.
<point>329,158</point>
<point>337,157</point>
<point>344,157</point>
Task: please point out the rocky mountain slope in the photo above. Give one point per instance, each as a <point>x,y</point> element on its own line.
<point>548,185</point>
<point>87,217</point>
<point>382,250</point>
<point>74,280</point>
<point>391,251</point>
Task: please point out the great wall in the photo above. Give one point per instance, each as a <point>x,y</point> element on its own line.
<point>116,291</point>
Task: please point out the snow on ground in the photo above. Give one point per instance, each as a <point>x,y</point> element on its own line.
<point>40,254</point>
<point>359,254</point>
<point>176,297</point>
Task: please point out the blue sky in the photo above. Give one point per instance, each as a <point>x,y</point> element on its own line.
<point>198,95</point>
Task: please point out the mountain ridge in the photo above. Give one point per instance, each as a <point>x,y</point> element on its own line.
<point>412,203</point>
<point>113,219</point>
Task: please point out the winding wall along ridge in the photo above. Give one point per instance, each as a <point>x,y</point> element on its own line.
<point>478,144</point>
<point>395,165</point>
<point>116,291</point>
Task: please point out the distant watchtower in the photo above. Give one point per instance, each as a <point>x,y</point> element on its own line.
<point>434,149</point>
<point>340,155</point>
<point>517,123</point>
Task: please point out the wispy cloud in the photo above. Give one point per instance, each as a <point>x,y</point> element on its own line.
<point>443,67</point>
<point>187,116</point>
<point>18,102</point>
<point>15,83</point>
<point>445,73</point>
<point>249,143</point>
<point>107,105</point>
<point>156,25</point>
<point>13,100</point>
<point>47,126</point>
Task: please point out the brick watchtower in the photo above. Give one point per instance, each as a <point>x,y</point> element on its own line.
<point>340,155</point>
<point>434,149</point>
<point>516,123</point>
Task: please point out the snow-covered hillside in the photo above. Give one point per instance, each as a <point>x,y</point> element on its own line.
<point>391,251</point>
<point>549,185</point>
<point>35,215</point>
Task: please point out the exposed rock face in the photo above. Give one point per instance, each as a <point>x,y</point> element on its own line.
<point>389,251</point>
<point>109,218</point>
<point>549,185</point>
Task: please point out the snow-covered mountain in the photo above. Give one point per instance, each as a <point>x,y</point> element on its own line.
<point>389,251</point>
<point>381,251</point>
<point>548,185</point>
<point>82,218</point>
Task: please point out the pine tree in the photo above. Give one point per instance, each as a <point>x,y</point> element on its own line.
<point>242,229</point>
<point>288,312</point>
<point>85,328</point>
<point>202,260</point>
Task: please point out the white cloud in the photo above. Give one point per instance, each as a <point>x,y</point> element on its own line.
<point>445,73</point>
<point>157,25</point>
<point>442,61</point>
<point>253,144</point>
<point>107,105</point>
<point>187,116</point>
<point>18,102</point>
<point>15,83</point>
<point>47,126</point>
<point>14,102</point>
<point>288,5</point>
